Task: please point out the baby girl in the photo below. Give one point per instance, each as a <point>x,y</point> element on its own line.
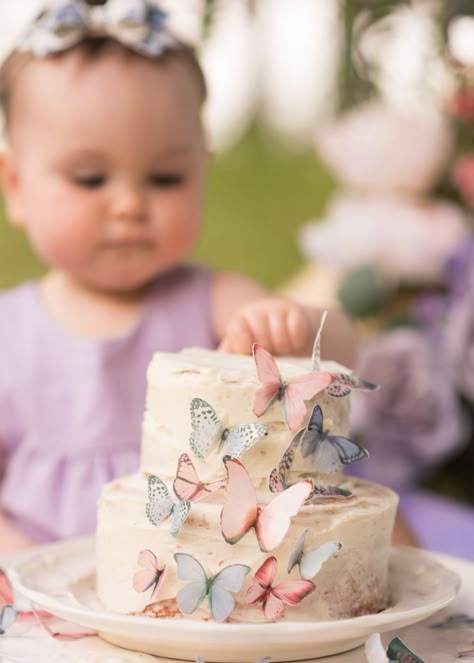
<point>105,171</point>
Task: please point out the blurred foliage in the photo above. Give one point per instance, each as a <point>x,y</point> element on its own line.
<point>259,194</point>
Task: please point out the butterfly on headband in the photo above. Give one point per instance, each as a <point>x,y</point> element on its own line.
<point>150,576</point>
<point>274,597</point>
<point>162,505</point>
<point>292,393</point>
<point>311,561</point>
<point>328,452</point>
<point>397,651</point>
<point>188,486</point>
<point>342,384</point>
<point>241,512</point>
<point>278,479</point>
<point>217,588</point>
<point>208,432</point>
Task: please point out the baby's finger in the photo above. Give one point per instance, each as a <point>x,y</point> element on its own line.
<point>298,328</point>
<point>258,324</point>
<point>238,338</point>
<point>280,339</point>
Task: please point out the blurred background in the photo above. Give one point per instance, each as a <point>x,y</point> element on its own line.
<point>343,174</point>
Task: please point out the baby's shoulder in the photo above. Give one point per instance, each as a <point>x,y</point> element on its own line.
<point>16,312</point>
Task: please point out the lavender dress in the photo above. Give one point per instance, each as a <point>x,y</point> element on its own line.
<point>71,408</point>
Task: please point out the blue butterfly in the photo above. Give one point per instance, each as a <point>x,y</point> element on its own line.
<point>328,452</point>
<point>217,588</point>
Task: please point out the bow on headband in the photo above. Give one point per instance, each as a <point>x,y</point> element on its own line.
<point>137,24</point>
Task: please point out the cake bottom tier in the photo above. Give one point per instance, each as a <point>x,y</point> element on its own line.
<point>352,582</point>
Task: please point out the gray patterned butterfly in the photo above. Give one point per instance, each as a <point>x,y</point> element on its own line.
<point>310,562</point>
<point>208,432</point>
<point>161,505</point>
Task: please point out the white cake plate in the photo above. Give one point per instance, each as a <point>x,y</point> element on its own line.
<point>60,578</point>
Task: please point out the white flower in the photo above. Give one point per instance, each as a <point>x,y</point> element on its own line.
<point>404,239</point>
<point>375,147</point>
<point>461,39</point>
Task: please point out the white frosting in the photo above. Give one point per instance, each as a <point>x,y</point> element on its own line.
<point>352,582</point>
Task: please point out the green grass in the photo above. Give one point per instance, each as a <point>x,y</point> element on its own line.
<point>258,196</point>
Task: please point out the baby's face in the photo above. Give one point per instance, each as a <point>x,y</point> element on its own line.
<point>108,161</point>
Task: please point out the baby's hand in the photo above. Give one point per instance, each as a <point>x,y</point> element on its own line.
<point>283,327</point>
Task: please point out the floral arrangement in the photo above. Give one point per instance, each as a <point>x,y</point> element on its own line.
<point>398,234</point>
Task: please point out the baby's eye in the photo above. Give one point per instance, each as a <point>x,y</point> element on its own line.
<point>89,181</point>
<point>166,180</point>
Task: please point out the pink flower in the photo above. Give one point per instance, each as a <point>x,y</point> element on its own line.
<point>463,178</point>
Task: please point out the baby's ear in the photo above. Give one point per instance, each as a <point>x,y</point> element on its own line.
<point>10,186</point>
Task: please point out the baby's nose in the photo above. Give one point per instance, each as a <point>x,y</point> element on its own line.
<point>129,203</point>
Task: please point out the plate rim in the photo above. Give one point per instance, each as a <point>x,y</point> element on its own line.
<point>382,620</point>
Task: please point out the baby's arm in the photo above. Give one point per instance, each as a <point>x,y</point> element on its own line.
<point>244,313</point>
<point>11,539</point>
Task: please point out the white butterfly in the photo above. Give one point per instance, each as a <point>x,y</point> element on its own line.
<point>161,504</point>
<point>217,588</point>
<point>8,616</point>
<point>310,562</point>
<point>209,432</point>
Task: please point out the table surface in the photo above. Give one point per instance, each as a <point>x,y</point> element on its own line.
<point>432,640</point>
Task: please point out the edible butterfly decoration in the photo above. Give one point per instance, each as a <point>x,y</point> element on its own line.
<point>328,452</point>
<point>208,432</point>
<point>8,616</point>
<point>278,479</point>
<point>292,393</point>
<point>188,486</point>
<point>217,588</point>
<point>274,597</point>
<point>310,562</point>
<point>161,505</point>
<point>241,511</point>
<point>397,651</point>
<point>151,574</point>
<point>342,383</point>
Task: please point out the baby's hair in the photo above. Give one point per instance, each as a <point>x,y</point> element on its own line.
<point>92,48</point>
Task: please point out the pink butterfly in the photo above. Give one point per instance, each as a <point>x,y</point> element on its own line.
<point>151,575</point>
<point>293,393</point>
<point>241,511</point>
<point>272,596</point>
<point>187,484</point>
<point>7,599</point>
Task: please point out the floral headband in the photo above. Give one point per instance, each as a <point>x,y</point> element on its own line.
<point>137,24</point>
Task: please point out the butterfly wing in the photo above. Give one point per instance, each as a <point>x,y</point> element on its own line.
<point>8,616</point>
<point>273,606</point>
<point>344,383</point>
<point>187,485</point>
<point>264,576</point>
<point>230,579</point>
<point>274,518</point>
<point>316,354</point>
<point>321,492</point>
<point>270,379</point>
<point>374,650</point>
<point>299,390</point>
<point>292,592</point>
<point>278,479</point>
<point>313,434</point>
<point>160,502</point>
<point>325,457</point>
<point>349,451</point>
<point>239,512</point>
<point>207,428</point>
<point>149,575</point>
<point>242,437</point>
<point>191,595</point>
<point>179,513</point>
<point>297,551</point>
<point>398,651</point>
<point>312,561</point>
<point>6,594</point>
